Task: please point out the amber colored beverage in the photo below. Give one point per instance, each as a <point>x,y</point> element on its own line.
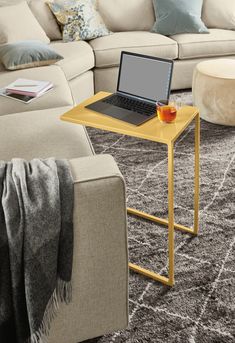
<point>166,113</point>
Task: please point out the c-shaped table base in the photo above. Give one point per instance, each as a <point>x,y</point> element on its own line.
<point>170,222</point>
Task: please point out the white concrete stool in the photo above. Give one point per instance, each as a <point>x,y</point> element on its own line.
<point>214,90</point>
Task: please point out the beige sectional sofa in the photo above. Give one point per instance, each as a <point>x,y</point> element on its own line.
<point>100,272</point>
<point>92,66</point>
<point>131,22</point>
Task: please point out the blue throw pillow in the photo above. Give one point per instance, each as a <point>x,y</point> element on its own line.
<point>178,16</point>
<point>27,54</point>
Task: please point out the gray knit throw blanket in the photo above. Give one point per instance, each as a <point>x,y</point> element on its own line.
<point>36,246</point>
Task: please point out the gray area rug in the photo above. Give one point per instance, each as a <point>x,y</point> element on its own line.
<point>200,308</point>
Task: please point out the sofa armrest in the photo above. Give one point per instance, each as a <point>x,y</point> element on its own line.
<point>100,265</point>
<point>87,169</point>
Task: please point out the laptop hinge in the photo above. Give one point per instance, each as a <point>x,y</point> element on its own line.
<point>152,102</point>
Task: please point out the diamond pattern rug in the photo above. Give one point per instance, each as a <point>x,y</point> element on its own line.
<point>201,306</point>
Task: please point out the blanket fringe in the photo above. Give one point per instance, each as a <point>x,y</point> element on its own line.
<point>62,293</point>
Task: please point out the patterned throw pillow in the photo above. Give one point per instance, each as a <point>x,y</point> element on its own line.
<point>80,19</point>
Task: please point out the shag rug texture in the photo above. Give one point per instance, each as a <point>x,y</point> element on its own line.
<point>200,308</point>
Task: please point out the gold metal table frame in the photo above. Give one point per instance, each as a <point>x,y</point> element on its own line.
<point>155,131</point>
<point>170,222</point>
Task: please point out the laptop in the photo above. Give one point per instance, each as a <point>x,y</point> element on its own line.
<point>142,82</point>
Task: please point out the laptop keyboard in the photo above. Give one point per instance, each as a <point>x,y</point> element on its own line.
<point>131,104</point>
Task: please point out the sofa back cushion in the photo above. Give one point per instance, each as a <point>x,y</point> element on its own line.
<point>45,18</point>
<point>18,23</point>
<point>219,14</point>
<point>8,3</point>
<point>43,14</point>
<point>127,15</point>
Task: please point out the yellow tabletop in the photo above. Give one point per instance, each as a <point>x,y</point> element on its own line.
<point>152,130</point>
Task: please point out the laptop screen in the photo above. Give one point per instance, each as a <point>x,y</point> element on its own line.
<point>145,77</point>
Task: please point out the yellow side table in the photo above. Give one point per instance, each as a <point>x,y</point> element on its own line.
<point>155,131</point>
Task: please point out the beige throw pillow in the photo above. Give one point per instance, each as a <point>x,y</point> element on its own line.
<point>219,14</point>
<point>18,23</point>
<point>45,18</point>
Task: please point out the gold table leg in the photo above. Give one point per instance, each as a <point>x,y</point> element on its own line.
<point>196,174</point>
<point>170,222</point>
<point>171,232</point>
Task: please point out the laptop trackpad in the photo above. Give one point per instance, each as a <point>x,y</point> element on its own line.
<point>118,113</point>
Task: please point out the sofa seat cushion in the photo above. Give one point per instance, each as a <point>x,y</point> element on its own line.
<point>59,96</point>
<point>216,43</point>
<point>107,49</point>
<point>41,134</point>
<point>78,57</point>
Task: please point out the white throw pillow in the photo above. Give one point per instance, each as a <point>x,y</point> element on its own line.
<point>219,14</point>
<point>18,23</point>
